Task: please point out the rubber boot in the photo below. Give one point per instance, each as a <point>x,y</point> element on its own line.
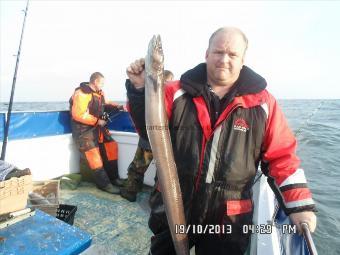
<point>136,172</point>
<point>128,195</point>
<point>103,182</point>
<point>111,189</point>
<point>118,182</point>
<point>132,187</point>
<point>111,169</point>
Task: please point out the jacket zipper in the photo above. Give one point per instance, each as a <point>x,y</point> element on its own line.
<point>204,143</point>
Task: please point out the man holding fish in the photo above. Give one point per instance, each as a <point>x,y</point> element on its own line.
<point>223,125</point>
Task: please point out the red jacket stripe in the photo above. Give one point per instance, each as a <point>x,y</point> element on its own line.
<point>296,194</point>
<point>235,207</point>
<point>170,90</point>
<point>203,115</point>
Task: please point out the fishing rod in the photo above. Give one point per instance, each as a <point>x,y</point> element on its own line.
<point>8,119</point>
<point>107,116</point>
<point>309,240</point>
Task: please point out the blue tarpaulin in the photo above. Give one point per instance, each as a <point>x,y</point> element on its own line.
<point>38,124</point>
<point>43,234</point>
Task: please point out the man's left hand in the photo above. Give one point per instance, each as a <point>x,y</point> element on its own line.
<point>307,217</point>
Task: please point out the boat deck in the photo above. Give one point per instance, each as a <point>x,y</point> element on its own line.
<point>117,226</point>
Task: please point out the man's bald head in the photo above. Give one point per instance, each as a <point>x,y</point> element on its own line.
<point>229,30</point>
<point>225,57</point>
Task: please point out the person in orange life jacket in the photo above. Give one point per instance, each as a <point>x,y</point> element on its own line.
<point>224,124</point>
<point>140,162</point>
<point>94,141</point>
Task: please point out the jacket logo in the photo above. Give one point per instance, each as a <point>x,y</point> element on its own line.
<point>241,125</point>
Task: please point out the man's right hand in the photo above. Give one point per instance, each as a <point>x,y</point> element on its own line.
<point>101,123</point>
<point>135,72</point>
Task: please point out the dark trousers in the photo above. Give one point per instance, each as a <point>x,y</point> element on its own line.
<point>161,244</point>
<point>101,158</point>
<point>137,169</point>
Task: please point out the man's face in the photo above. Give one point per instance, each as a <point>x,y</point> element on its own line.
<point>168,78</point>
<point>224,58</point>
<point>99,83</point>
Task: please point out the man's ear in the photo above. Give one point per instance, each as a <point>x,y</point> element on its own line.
<point>244,56</point>
<point>206,54</point>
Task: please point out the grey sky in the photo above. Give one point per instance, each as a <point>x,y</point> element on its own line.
<point>294,45</point>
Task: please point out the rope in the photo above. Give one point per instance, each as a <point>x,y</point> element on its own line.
<point>309,118</point>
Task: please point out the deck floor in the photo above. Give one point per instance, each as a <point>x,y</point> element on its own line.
<point>117,226</point>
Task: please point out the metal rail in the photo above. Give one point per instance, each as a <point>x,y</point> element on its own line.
<point>308,237</point>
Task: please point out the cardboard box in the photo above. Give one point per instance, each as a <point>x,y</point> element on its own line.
<point>14,193</point>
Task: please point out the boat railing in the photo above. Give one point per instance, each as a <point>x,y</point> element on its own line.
<point>308,238</point>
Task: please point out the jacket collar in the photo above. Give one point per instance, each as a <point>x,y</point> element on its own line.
<point>194,81</point>
<point>85,87</point>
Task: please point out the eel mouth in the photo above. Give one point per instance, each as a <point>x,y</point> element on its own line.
<point>156,53</point>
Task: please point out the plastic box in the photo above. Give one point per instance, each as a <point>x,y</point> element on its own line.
<point>14,193</point>
<point>66,213</point>
<point>47,198</point>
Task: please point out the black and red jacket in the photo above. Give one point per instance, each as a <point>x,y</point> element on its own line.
<point>218,150</point>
